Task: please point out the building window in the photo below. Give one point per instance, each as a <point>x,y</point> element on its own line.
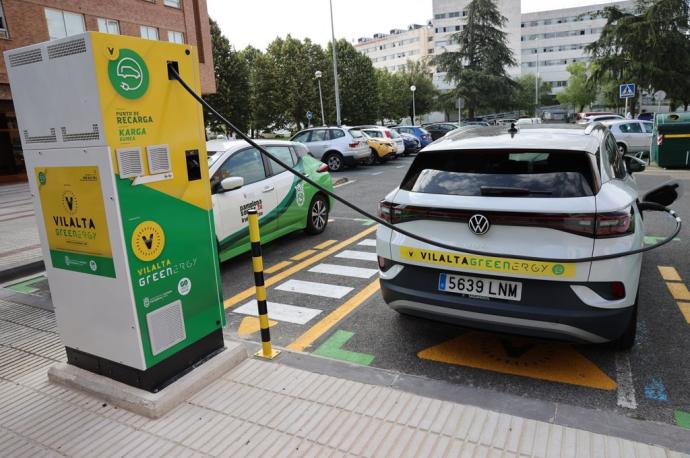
<point>150,33</point>
<point>454,14</point>
<point>3,24</point>
<point>62,24</point>
<point>176,37</point>
<point>108,26</point>
<point>440,16</point>
<point>173,3</point>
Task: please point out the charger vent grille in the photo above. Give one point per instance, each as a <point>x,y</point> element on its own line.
<point>26,57</point>
<point>159,158</point>
<point>67,48</point>
<point>166,327</point>
<point>129,162</point>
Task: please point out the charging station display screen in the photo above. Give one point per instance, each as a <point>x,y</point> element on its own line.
<point>75,219</point>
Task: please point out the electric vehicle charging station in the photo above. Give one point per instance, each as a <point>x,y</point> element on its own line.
<point>117,166</point>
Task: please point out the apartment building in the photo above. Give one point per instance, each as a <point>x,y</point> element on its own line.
<point>391,51</point>
<point>552,40</point>
<point>24,22</point>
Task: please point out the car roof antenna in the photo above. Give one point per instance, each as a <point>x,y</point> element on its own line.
<point>513,130</point>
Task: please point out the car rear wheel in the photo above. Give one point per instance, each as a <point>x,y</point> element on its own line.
<point>334,161</point>
<point>317,216</point>
<point>627,340</point>
<point>373,157</point>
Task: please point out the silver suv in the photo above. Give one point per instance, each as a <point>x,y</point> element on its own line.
<point>336,146</point>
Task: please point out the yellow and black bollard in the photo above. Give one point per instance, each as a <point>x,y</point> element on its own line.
<point>267,350</point>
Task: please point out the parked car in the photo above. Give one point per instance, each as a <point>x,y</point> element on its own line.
<point>600,118</point>
<point>475,123</point>
<point>587,114</point>
<point>505,121</point>
<point>421,133</point>
<point>541,192</point>
<point>439,129</point>
<point>412,143</point>
<point>336,146</point>
<point>645,116</point>
<point>241,178</point>
<point>527,121</point>
<point>632,136</point>
<point>385,132</point>
<point>382,148</point>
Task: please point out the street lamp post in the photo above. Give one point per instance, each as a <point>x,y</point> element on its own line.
<point>536,88</point>
<point>335,69</point>
<point>414,114</point>
<point>318,75</point>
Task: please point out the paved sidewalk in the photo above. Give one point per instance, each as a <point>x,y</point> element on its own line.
<point>19,242</point>
<point>259,409</point>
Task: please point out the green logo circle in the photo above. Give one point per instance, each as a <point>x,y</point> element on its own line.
<point>42,178</point>
<point>558,269</point>
<point>128,74</point>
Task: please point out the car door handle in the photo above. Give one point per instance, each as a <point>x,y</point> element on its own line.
<point>268,189</point>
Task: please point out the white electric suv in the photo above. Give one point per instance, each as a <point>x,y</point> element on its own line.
<point>539,191</point>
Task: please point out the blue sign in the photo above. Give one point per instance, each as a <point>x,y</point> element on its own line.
<point>310,115</point>
<point>627,90</point>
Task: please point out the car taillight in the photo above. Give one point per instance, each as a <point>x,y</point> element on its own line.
<point>322,168</point>
<point>615,224</point>
<point>659,139</point>
<point>354,145</point>
<point>618,290</point>
<point>384,263</point>
<point>388,134</point>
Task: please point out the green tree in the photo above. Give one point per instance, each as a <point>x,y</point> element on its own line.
<point>391,89</point>
<point>250,55</point>
<point>579,92</point>
<point>650,46</point>
<point>479,68</point>
<point>359,97</point>
<point>524,93</point>
<point>232,84</point>
<point>418,74</point>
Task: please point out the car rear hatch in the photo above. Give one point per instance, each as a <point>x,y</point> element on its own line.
<point>536,203</point>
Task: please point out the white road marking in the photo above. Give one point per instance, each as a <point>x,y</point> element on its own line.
<point>345,184</point>
<point>368,242</point>
<point>358,255</point>
<point>315,289</point>
<point>376,173</point>
<point>345,271</point>
<point>399,166</point>
<point>626,388</point>
<point>280,312</point>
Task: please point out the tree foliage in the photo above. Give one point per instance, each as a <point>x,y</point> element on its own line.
<point>524,93</point>
<point>396,96</point>
<point>650,47</point>
<point>478,68</point>
<point>359,97</point>
<point>232,95</point>
<point>579,92</point>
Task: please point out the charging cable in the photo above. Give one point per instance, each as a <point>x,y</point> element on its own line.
<point>642,206</point>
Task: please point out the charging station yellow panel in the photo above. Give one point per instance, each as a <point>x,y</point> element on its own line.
<point>117,163</point>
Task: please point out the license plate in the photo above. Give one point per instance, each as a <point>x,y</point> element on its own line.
<point>483,287</point>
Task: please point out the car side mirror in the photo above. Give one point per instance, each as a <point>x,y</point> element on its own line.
<point>665,194</point>
<point>634,164</point>
<point>231,183</point>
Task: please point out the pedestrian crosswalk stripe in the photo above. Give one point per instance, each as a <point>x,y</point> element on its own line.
<point>345,271</point>
<point>315,289</point>
<point>359,255</point>
<point>367,242</point>
<point>280,312</point>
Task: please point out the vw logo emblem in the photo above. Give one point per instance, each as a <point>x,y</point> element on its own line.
<point>479,224</point>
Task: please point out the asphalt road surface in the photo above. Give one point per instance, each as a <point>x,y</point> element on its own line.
<point>324,299</point>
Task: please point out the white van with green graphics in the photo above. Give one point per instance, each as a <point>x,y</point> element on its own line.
<point>241,179</point>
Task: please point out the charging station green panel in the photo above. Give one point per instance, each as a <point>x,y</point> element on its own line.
<point>116,158</point>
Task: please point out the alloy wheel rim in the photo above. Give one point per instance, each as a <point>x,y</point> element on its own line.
<point>334,162</point>
<point>318,214</point>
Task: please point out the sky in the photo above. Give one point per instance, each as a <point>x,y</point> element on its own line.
<point>258,22</point>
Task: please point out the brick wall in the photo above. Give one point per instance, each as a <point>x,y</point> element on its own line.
<point>27,24</point>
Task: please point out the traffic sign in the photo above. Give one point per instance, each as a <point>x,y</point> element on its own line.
<point>310,115</point>
<point>627,90</point>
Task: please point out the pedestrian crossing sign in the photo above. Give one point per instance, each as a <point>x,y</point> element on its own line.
<point>627,90</point>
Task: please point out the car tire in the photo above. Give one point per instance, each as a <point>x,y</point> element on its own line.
<point>334,161</point>
<point>627,340</point>
<point>373,157</point>
<point>622,148</point>
<point>317,215</point>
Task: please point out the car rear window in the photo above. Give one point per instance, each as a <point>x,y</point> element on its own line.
<point>356,133</point>
<point>515,173</point>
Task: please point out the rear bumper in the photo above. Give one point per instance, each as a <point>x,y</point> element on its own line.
<point>356,157</point>
<point>549,309</point>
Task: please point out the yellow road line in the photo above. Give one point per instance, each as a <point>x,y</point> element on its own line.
<point>324,245</point>
<point>302,255</point>
<point>669,273</point>
<point>685,310</point>
<point>277,267</point>
<point>320,328</point>
<point>679,291</point>
<point>234,300</point>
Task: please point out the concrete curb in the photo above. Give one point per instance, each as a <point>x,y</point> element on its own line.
<point>21,270</point>
<point>151,405</point>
